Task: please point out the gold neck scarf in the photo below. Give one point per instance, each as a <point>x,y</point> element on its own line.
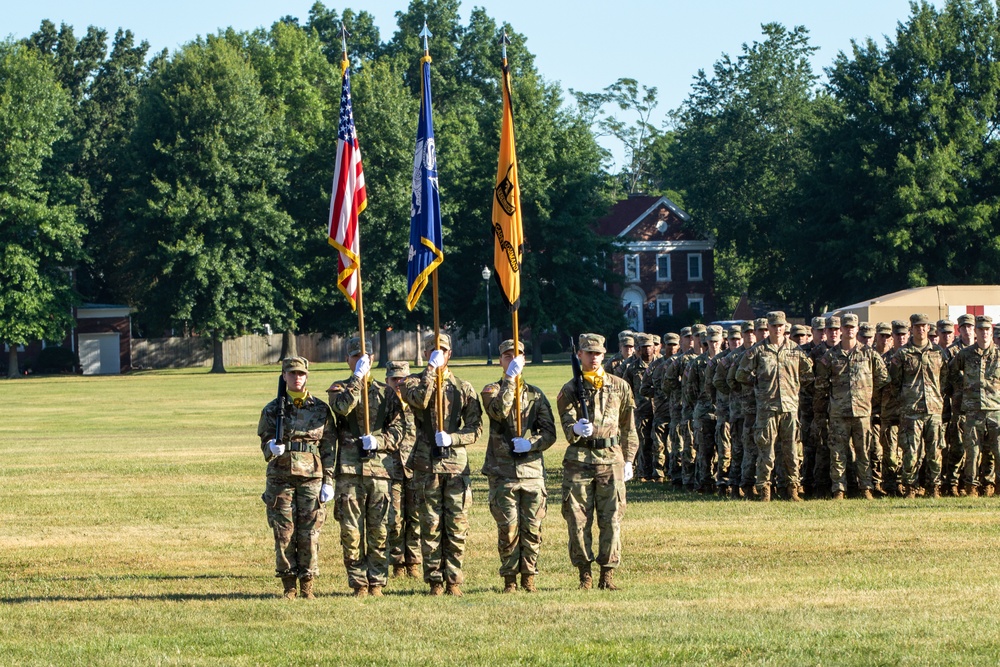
<point>595,378</point>
<point>298,397</point>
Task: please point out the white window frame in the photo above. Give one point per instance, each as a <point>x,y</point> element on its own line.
<point>701,267</point>
<point>629,277</point>
<point>664,300</point>
<point>659,276</point>
<point>696,299</point>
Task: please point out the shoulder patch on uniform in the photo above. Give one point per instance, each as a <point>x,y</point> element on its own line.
<point>336,386</point>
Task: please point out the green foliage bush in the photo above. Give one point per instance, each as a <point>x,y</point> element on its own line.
<point>56,360</point>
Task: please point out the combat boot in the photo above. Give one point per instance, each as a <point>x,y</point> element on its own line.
<point>398,571</point>
<point>412,571</point>
<point>900,490</point>
<point>360,591</point>
<point>867,495</point>
<point>607,579</point>
<point>437,588</point>
<point>528,583</point>
<point>586,578</point>
<point>749,491</point>
<point>879,491</point>
<point>509,583</point>
<point>936,492</point>
<point>911,492</point>
<point>375,591</point>
<point>971,491</point>
<point>988,490</point>
<point>765,494</point>
<point>289,584</point>
<point>453,589</point>
<point>306,588</point>
<point>793,494</point>
<point>838,495</point>
<point>953,491</point>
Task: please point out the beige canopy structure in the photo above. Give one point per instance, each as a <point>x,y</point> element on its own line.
<point>938,301</point>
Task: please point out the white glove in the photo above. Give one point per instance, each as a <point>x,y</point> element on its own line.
<point>442,439</point>
<point>277,449</point>
<point>583,428</point>
<point>521,445</point>
<point>628,471</point>
<point>326,493</point>
<point>436,360</point>
<point>363,366</point>
<point>516,366</point>
<point>369,443</point>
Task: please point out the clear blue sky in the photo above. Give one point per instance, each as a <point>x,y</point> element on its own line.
<point>585,45</point>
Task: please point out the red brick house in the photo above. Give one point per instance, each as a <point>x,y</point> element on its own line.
<point>667,268</point>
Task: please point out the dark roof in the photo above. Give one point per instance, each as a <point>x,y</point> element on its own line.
<point>628,211</point>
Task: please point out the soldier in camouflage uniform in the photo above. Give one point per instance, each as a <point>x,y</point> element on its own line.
<point>952,417</point>
<point>820,429</point>
<point>689,449</point>
<point>776,367</point>
<point>739,396</point>
<point>598,461</point>
<point>634,372</point>
<point>364,470</point>
<point>976,371</point>
<point>626,350</point>
<point>670,386</point>
<point>404,512</point>
<point>702,387</point>
<point>441,464</point>
<point>881,343</point>
<point>806,411</point>
<point>652,388</point>
<point>891,417</point>
<point>727,409</point>
<point>918,373</point>
<point>846,376</point>
<point>300,470</point>
<point>515,468</point>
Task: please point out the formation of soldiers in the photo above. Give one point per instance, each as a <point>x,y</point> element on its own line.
<point>841,408</point>
<point>391,459</point>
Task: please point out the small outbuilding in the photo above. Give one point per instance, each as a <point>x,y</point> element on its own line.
<point>103,338</point>
<point>939,301</point>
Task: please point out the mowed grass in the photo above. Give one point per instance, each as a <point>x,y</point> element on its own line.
<point>131,532</point>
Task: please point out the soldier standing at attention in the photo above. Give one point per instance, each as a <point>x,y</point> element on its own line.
<point>404,512</point>
<point>740,398</point>
<point>634,372</point>
<point>882,343</point>
<point>671,387</point>
<point>918,372</point>
<point>441,465</point>
<point>703,393</point>
<point>952,417</point>
<point>652,388</point>
<point>598,461</point>
<point>846,376</point>
<point>300,470</point>
<point>626,348</point>
<point>364,465</point>
<point>777,368</point>
<point>689,453</point>
<point>976,371</point>
<point>516,470</point>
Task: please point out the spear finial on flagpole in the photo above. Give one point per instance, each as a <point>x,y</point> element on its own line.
<point>504,41</point>
<point>343,39</point>
<point>425,33</point>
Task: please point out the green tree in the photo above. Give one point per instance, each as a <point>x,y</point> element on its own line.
<point>40,240</point>
<point>207,224</point>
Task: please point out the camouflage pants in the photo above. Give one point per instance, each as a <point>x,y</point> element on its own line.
<point>775,435</point>
<point>404,523</point>
<point>444,524</point>
<point>589,491</point>
<point>518,506</point>
<point>689,454</point>
<point>704,437</point>
<point>660,444</point>
<point>892,456</point>
<point>296,515</point>
<point>921,440</point>
<point>723,451</point>
<point>362,508</point>
<point>850,435</point>
<point>806,469</point>
<point>953,463</point>
<point>751,454</point>
<point>644,429</point>
<point>736,464</point>
<point>820,436</point>
<point>982,435</point>
<point>875,451</point>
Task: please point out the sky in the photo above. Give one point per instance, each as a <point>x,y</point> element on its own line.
<point>584,45</point>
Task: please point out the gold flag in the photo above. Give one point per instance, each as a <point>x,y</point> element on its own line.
<point>508,235</point>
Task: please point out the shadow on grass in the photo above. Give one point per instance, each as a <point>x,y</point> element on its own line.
<point>139,597</point>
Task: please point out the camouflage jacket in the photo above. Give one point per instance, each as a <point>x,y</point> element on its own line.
<point>918,376</point>
<point>820,406</point>
<point>652,386</point>
<point>688,395</point>
<point>777,373</point>
<point>671,388</point>
<point>975,375</point>
<point>954,402</point>
<point>385,414</point>
<point>615,363</point>
<point>462,417</point>
<point>724,393</point>
<point>745,392</point>
<point>611,412</point>
<point>719,398</point>
<point>633,373</point>
<point>537,424</point>
<point>847,379</point>
<point>402,457</point>
<point>888,395</point>
<point>310,428</point>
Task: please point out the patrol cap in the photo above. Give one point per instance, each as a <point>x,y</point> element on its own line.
<point>397,369</point>
<point>725,333</point>
<point>760,323</point>
<point>833,322</point>
<point>849,320</point>
<point>685,331</point>
<point>736,331</point>
<point>984,322</point>
<point>867,330</point>
<point>800,330</point>
<point>655,338</point>
<point>671,339</point>
<point>945,323</point>
<point>747,326</point>
<point>883,328</point>
<point>591,342</point>
<point>920,318</point>
<point>776,318</point>
<point>628,340</point>
<point>714,332</point>
<point>900,327</point>
<point>300,364</point>
<point>698,330</point>
<point>643,340</point>
<point>627,333</point>
<point>819,323</point>
<point>354,346</point>
<point>933,330</point>
<point>445,341</point>
<point>966,319</point>
<point>509,345</point>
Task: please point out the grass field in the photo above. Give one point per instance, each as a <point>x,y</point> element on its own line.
<point>131,532</point>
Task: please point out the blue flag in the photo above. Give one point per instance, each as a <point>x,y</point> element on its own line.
<point>426,244</point>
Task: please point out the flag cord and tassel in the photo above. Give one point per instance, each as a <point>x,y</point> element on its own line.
<point>439,384</point>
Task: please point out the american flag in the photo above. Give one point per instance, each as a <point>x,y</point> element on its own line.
<point>348,198</point>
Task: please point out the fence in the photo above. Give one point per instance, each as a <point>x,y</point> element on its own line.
<point>262,350</point>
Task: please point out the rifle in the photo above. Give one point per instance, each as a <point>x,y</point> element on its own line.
<point>279,419</point>
<point>581,395</point>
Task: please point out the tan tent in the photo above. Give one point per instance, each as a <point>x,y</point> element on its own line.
<point>939,301</point>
